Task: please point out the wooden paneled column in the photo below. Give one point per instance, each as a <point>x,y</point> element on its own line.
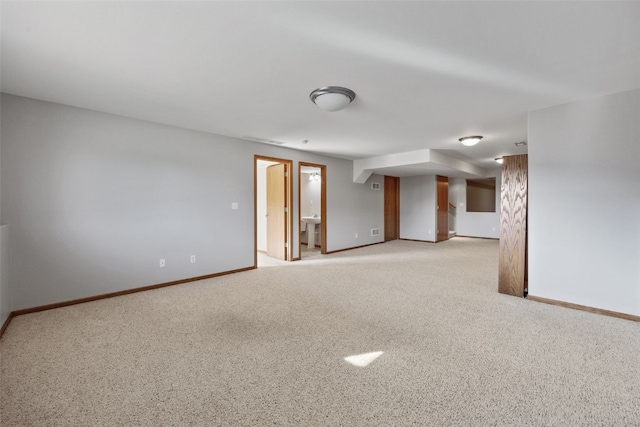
<point>513,226</point>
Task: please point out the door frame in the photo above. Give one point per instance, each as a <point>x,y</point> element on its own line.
<point>288,200</point>
<point>323,204</point>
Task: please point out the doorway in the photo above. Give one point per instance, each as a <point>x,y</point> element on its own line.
<point>391,208</point>
<point>443,208</point>
<point>312,209</point>
<point>272,210</point>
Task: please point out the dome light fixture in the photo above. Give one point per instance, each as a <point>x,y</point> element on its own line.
<point>470,140</point>
<point>332,98</point>
<point>499,160</point>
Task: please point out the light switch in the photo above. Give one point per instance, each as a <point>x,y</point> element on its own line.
<point>234,205</point>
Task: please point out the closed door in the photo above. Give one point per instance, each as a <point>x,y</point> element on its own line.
<point>276,211</point>
<point>391,208</point>
<point>443,208</point>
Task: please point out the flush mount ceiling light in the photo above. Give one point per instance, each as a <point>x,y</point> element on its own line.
<point>470,140</point>
<point>332,98</point>
<point>499,160</point>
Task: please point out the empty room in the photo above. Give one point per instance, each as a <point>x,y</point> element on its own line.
<point>310,213</point>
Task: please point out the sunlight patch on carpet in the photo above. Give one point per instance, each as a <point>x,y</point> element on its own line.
<point>364,359</point>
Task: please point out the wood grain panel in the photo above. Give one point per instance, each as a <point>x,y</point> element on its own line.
<point>276,211</point>
<point>353,247</point>
<point>513,226</point>
<point>604,312</point>
<point>443,208</point>
<point>391,208</point>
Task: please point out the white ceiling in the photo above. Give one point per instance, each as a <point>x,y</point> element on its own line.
<point>425,73</point>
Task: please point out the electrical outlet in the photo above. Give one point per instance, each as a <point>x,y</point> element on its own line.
<point>429,231</point>
<point>193,259</point>
<point>163,264</point>
<point>356,235</point>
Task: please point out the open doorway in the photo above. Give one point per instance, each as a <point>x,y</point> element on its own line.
<point>312,209</point>
<point>272,210</point>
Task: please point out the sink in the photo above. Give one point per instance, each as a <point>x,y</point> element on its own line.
<point>311,219</point>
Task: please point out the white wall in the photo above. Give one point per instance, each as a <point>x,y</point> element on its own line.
<point>475,224</point>
<point>5,301</point>
<point>310,196</point>
<point>94,200</point>
<point>5,297</point>
<point>584,203</point>
<point>351,208</point>
<point>418,208</point>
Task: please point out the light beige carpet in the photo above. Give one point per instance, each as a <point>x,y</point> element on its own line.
<point>267,347</point>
